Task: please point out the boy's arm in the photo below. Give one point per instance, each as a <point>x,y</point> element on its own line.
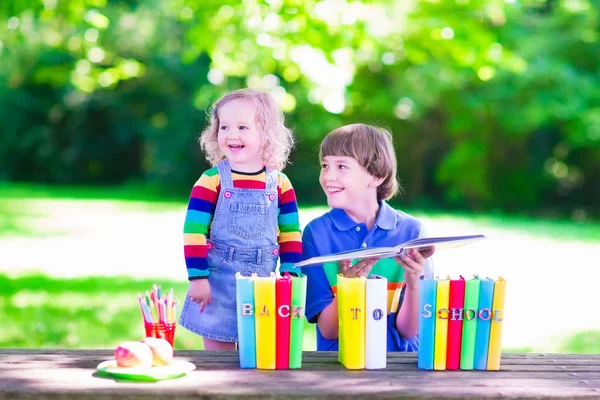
<point>407,320</point>
<point>200,211</point>
<point>290,235</point>
<point>321,304</point>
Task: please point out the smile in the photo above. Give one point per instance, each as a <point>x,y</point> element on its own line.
<point>236,147</point>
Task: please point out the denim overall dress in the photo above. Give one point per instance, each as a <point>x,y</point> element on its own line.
<point>243,238</point>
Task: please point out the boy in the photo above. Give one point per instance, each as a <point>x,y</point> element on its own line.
<point>358,175</point>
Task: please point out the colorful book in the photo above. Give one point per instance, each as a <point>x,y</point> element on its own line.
<point>441,324</point>
<point>245,320</point>
<point>282,321</point>
<point>427,317</point>
<point>470,317</point>
<point>376,322</point>
<point>264,302</point>
<point>297,320</point>
<point>351,316</point>
<point>455,322</point>
<point>493,360</point>
<point>482,337</point>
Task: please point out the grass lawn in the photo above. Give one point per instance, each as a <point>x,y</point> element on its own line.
<point>73,260</point>
<point>88,312</point>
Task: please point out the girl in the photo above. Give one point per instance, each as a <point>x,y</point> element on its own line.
<point>358,175</point>
<point>242,214</point>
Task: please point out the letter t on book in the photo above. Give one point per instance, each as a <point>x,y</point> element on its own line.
<point>351,316</point>
<point>376,316</point>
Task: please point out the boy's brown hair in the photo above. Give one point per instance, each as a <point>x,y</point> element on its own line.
<point>372,147</point>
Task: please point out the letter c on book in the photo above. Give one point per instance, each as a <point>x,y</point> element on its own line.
<point>282,313</point>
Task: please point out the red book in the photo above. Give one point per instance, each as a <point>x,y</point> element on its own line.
<point>455,322</point>
<point>283,301</point>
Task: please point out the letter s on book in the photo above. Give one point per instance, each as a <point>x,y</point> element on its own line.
<point>427,311</point>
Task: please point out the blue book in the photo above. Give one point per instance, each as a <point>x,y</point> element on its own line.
<point>244,292</point>
<point>427,317</point>
<point>484,322</point>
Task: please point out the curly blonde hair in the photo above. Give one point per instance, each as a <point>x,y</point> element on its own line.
<point>372,147</point>
<point>277,140</point>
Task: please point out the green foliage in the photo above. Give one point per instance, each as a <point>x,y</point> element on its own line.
<point>493,104</point>
<point>93,312</point>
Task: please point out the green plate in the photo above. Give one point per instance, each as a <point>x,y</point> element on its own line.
<point>148,374</point>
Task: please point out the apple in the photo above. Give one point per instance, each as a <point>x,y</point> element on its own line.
<point>131,354</point>
<point>162,351</point>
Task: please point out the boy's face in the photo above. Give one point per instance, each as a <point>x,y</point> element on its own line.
<point>240,137</point>
<point>347,184</point>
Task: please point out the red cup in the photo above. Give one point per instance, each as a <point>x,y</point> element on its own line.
<point>161,330</point>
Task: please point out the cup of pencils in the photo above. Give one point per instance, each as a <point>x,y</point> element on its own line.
<point>159,312</point>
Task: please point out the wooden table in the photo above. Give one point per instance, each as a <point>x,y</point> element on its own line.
<point>70,374</point>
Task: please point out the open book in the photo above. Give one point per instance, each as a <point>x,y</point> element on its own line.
<point>388,252</point>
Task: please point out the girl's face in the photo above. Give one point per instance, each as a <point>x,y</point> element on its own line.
<point>348,185</point>
<point>240,138</point>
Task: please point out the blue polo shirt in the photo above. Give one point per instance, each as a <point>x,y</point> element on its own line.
<point>334,232</point>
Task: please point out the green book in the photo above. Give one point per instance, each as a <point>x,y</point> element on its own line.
<point>298,318</point>
<point>471,308</point>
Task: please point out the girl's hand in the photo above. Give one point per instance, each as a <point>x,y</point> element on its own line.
<point>199,292</point>
<point>361,268</point>
<point>413,262</point>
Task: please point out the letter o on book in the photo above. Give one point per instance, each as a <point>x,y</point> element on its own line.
<point>488,314</point>
<point>377,314</point>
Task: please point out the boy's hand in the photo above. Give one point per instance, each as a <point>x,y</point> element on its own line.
<point>361,268</point>
<point>199,292</point>
<point>413,262</point>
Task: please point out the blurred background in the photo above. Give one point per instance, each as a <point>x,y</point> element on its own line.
<point>494,106</point>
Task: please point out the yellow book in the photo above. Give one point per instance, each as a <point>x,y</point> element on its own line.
<point>441,324</point>
<point>493,360</point>
<point>264,303</point>
<point>351,316</point>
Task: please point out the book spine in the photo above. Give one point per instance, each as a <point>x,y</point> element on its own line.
<point>455,322</point>
<point>376,323</point>
<point>493,361</point>
<point>351,316</point>
<point>264,301</point>
<point>244,292</point>
<point>297,317</point>
<point>427,317</point>
<point>282,322</point>
<point>441,325</point>
<point>467,349</point>
<point>482,337</point>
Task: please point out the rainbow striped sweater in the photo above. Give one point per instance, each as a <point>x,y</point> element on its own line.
<point>201,209</point>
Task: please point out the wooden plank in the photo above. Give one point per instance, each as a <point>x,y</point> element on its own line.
<point>69,374</point>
